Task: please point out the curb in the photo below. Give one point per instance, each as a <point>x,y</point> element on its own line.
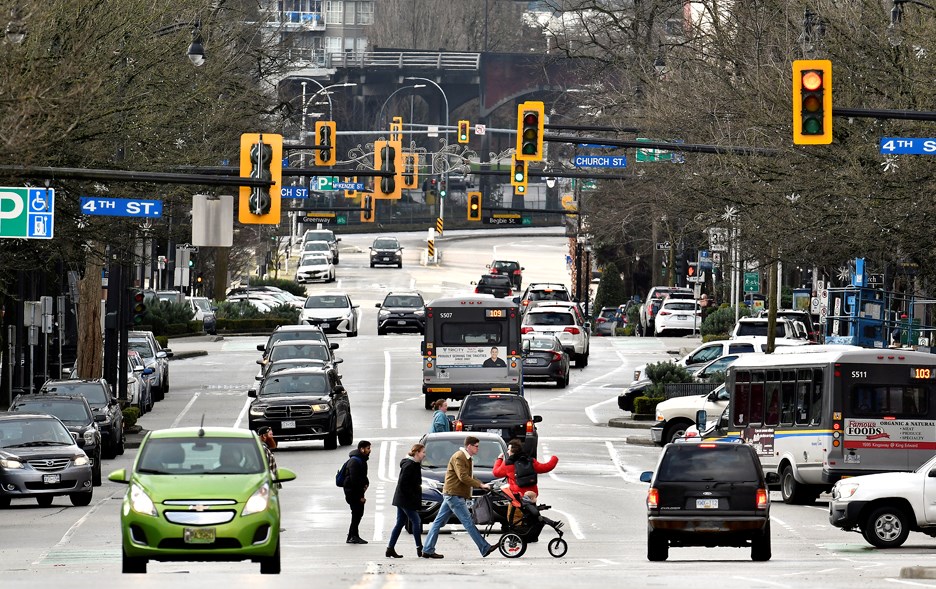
<point>133,441</point>
<point>630,423</point>
<point>918,573</point>
<point>188,354</point>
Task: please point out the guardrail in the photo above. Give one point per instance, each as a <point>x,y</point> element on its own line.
<point>688,389</point>
<point>387,59</point>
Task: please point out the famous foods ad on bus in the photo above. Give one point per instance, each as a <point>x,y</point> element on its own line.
<point>472,357</point>
<point>906,434</point>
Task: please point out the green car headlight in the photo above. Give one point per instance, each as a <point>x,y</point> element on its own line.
<point>80,460</point>
<point>140,502</point>
<point>10,463</point>
<point>258,502</point>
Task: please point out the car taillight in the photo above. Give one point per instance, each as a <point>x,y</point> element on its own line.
<point>572,330</point>
<point>600,320</point>
<point>493,270</point>
<point>557,357</point>
<point>529,427</point>
<point>653,498</point>
<point>516,272</point>
<point>476,290</point>
<point>762,499</point>
<point>459,426</point>
<point>526,329</point>
<point>524,302</point>
<point>509,292</point>
<point>662,313</point>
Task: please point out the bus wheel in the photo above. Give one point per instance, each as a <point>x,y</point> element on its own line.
<point>793,492</point>
<point>428,400</point>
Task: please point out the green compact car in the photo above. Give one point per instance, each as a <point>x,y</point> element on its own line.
<point>201,494</point>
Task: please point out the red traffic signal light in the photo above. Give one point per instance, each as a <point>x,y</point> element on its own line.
<point>812,102</point>
<point>137,306</point>
<point>530,124</point>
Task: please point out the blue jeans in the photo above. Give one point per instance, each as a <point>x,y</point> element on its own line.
<point>458,506</point>
<point>402,514</point>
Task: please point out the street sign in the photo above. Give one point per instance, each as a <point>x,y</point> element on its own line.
<point>504,219</point>
<point>326,183</point>
<point>294,192</point>
<point>875,280</point>
<point>432,131</point>
<point>599,161</point>
<point>705,260</point>
<point>27,213</point>
<point>663,245</point>
<point>105,206</point>
<point>908,145</point>
<point>316,217</point>
<point>480,129</point>
<point>700,277</point>
<point>526,220</point>
<point>341,219</point>
<point>751,282</point>
<point>718,239</point>
<point>347,186</point>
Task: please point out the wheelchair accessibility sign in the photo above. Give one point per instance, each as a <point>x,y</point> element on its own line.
<point>27,213</point>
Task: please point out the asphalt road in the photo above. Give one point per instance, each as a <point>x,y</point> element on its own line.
<point>594,490</point>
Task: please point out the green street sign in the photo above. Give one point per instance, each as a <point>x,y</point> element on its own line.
<point>526,220</point>
<point>751,282</point>
<point>326,183</point>
<point>341,220</point>
<point>27,213</point>
<point>652,155</point>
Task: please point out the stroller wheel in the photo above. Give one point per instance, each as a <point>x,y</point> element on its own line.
<point>512,545</point>
<point>558,547</point>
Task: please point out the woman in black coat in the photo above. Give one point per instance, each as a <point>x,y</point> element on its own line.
<point>408,498</point>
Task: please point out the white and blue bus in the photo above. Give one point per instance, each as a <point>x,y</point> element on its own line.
<point>821,413</point>
<point>472,343</point>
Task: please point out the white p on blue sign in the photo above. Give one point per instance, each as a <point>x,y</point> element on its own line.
<point>120,207</point>
<point>27,213</point>
<point>599,161</point>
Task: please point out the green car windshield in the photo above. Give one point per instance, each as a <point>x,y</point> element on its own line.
<point>198,456</point>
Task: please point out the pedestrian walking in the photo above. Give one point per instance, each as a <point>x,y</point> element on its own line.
<point>440,420</point>
<point>459,481</point>
<point>355,485</point>
<point>407,498</point>
<point>269,444</point>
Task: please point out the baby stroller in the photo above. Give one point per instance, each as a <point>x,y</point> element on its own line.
<point>521,522</point>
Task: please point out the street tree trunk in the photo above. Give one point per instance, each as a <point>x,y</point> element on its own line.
<point>90,361</point>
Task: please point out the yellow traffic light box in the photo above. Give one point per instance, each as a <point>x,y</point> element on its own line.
<point>812,102</point>
<point>261,156</point>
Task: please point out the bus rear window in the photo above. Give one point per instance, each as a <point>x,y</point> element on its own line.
<point>473,334</point>
<point>868,400</point>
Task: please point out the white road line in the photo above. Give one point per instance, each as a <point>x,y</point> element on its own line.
<point>628,473</point>
<point>188,406</point>
<point>590,410</point>
<point>74,527</point>
<point>385,406</point>
<point>906,582</point>
<point>573,524</point>
<point>243,413</point>
<point>762,581</point>
<point>393,414</point>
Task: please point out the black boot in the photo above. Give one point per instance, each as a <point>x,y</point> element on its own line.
<point>391,553</point>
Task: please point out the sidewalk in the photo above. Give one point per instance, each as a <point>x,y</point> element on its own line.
<point>642,439</point>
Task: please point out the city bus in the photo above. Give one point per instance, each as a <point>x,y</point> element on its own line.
<point>819,414</point>
<point>472,343</point>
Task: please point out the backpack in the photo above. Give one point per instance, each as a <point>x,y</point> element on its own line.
<point>342,475</point>
<point>524,473</point>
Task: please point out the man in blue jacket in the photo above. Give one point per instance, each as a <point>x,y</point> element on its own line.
<point>355,484</point>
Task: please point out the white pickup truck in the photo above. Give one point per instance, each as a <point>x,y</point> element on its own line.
<point>886,507</point>
<point>674,416</point>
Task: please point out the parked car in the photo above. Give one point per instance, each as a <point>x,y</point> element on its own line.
<point>755,330</point>
<point>303,404</point>
<point>75,413</point>
<point>106,409</point>
<point>401,311</point>
<point>674,416</point>
<point>794,315</point>
<point>647,315</point>
<point>607,320</point>
<point>508,268</point>
<point>506,413</point>
<point>565,325</point>
<point>332,312</point>
<point>704,354</point>
<point>386,251</point>
<point>201,494</point>
<point>155,357</point>
<point>708,494</point>
<point>41,461</point>
<point>677,315</point>
<point>326,235</point>
<point>544,358</point>
<point>204,312</point>
<point>494,284</point>
<point>315,266</point>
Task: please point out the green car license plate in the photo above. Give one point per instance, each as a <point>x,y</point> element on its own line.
<point>198,535</point>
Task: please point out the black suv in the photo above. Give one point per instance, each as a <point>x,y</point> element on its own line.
<point>505,413</point>
<point>401,311</point>
<point>303,404</point>
<point>386,251</point>
<point>507,268</point>
<point>106,409</point>
<point>494,284</point>
<point>708,494</point>
<point>76,414</point>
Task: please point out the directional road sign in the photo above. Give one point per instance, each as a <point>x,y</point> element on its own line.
<point>347,186</point>
<point>751,282</point>
<point>294,192</point>
<point>504,219</point>
<point>663,245</point>
<point>599,161</point>
<point>27,213</point>
<point>908,145</point>
<point>120,207</point>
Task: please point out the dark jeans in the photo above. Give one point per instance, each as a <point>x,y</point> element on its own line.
<point>357,514</point>
<point>403,514</point>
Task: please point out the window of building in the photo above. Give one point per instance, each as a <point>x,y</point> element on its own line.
<point>364,13</point>
<point>334,12</point>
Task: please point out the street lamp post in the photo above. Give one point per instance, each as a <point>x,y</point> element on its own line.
<point>384,105</point>
<point>445,168</point>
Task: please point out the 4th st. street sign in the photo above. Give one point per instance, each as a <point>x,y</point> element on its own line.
<point>27,213</point>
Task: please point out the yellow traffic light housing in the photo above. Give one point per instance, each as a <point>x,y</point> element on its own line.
<point>812,102</point>
<point>326,136</point>
<point>518,175</point>
<point>530,122</point>
<point>261,156</point>
<point>368,208</point>
<point>396,129</point>
<point>388,157</point>
<point>410,170</point>
<point>474,206</point>
<point>463,131</point>
<point>351,193</point>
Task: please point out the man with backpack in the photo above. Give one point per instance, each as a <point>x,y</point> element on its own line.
<point>353,478</point>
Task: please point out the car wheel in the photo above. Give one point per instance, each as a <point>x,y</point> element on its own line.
<point>346,437</point>
<point>96,471</point>
<point>4,502</point>
<point>81,499</point>
<point>372,264</point>
<point>886,527</point>
<point>562,382</point>
<point>657,548</point>
<point>270,565</point>
<point>399,264</point>
<point>675,430</point>
<point>120,444</point>
<point>44,500</point>
<point>132,564</point>
<point>353,333</point>
<point>331,441</point>
<point>793,492</point>
<point>581,361</point>
<point>760,546</point>
<point>336,260</point>
<point>381,331</point>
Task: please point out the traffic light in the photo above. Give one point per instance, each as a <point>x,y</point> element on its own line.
<point>261,157</point>
<point>518,175</point>
<point>463,132</point>
<point>443,189</point>
<point>368,208</point>
<point>530,121</point>
<point>410,170</point>
<point>474,206</point>
<point>351,193</point>
<point>326,135</point>
<point>191,259</point>
<point>812,102</point>
<point>388,158</point>
<point>396,129</point>
<point>137,306</point>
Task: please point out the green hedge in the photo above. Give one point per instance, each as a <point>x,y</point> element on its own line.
<point>646,405</point>
<point>130,416</point>
<point>163,340</point>
<point>236,325</point>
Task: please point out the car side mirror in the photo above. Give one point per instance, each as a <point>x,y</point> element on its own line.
<point>473,283</point>
<point>646,476</point>
<point>338,360</point>
<point>284,475</point>
<point>377,305</point>
<point>252,393</point>
<point>339,389</point>
<point>162,354</point>
<point>119,476</point>
<point>537,419</point>
<point>772,478</point>
<point>333,346</point>
<point>261,347</point>
<point>260,362</point>
<point>700,419</point>
<point>932,473</point>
